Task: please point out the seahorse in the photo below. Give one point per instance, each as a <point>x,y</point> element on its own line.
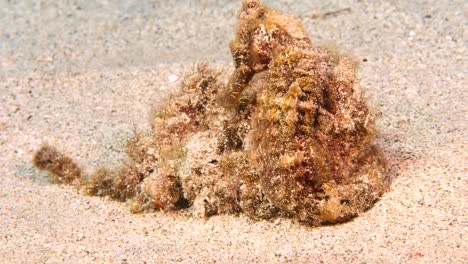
<point>289,134</point>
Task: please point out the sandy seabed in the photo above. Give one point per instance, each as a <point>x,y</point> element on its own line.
<point>83,76</point>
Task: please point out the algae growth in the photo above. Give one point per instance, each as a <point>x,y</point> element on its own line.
<point>288,135</point>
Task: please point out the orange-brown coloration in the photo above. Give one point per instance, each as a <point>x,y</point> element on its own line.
<point>289,134</point>
<point>61,168</point>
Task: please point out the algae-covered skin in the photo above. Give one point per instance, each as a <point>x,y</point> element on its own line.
<point>289,135</point>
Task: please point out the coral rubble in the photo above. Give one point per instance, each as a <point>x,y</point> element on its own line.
<point>288,135</point>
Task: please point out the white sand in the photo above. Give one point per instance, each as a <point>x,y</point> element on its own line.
<point>81,76</point>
